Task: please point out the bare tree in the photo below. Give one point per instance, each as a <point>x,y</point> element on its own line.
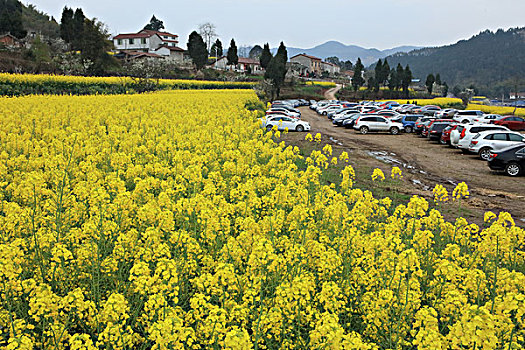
<point>207,31</point>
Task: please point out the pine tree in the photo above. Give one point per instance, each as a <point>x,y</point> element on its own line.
<point>95,46</point>
<point>385,72</point>
<point>357,80</point>
<point>266,56</point>
<point>400,72</point>
<point>232,56</point>
<point>216,49</point>
<point>197,50</point>
<point>154,24</point>
<point>438,79</point>
<point>407,80</point>
<point>429,83</point>
<point>77,29</point>
<point>66,24</point>
<point>276,70</point>
<point>378,70</point>
<point>393,80</point>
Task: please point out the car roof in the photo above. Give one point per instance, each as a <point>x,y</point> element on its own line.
<point>487,132</point>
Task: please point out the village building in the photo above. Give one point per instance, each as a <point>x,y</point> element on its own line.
<point>10,41</point>
<point>312,64</point>
<point>244,65</point>
<point>161,44</point>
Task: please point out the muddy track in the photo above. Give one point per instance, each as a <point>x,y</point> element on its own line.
<point>427,163</point>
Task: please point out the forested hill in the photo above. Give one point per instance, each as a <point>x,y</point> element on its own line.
<point>492,61</point>
<point>39,22</point>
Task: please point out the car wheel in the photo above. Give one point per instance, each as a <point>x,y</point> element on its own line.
<point>269,127</point>
<point>299,128</point>
<point>409,129</point>
<point>394,130</point>
<point>513,169</point>
<point>465,121</point>
<point>363,130</point>
<point>484,153</point>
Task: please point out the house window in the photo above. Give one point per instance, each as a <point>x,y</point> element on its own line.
<point>131,41</point>
<point>119,41</point>
<point>143,40</point>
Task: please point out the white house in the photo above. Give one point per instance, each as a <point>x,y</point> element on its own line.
<point>244,65</point>
<point>150,41</point>
<point>330,68</point>
<point>312,64</point>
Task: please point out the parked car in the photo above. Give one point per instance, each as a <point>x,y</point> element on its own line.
<point>377,123</point>
<point>428,110</point>
<point>350,122</point>
<point>510,160</point>
<point>467,132</point>
<point>445,135</point>
<point>404,108</point>
<point>284,110</point>
<point>420,124</point>
<point>332,114</point>
<point>486,142</point>
<point>387,113</point>
<point>487,118</point>
<point>511,122</point>
<point>284,122</point>
<point>466,117</point>
<point>436,129</point>
<point>282,113</point>
<point>339,121</point>
<point>445,113</point>
<point>408,121</point>
<point>428,125</point>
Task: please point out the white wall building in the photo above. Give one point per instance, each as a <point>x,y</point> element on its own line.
<point>150,41</point>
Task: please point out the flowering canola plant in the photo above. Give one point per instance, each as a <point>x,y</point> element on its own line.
<point>171,220</point>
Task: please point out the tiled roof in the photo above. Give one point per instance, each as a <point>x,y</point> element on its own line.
<point>159,33</point>
<point>308,56</point>
<point>172,48</point>
<point>245,60</point>
<point>133,35</point>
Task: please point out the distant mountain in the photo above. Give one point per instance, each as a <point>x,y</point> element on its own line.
<point>494,62</point>
<point>347,52</point>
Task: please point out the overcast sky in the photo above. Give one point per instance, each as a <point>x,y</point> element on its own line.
<point>381,24</point>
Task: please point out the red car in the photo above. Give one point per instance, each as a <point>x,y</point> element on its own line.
<point>445,136</point>
<point>511,122</point>
<point>424,132</point>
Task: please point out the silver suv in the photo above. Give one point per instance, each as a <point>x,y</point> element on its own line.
<point>371,122</point>
<point>484,143</point>
<point>466,117</point>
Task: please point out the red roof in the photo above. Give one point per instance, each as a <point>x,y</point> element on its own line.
<point>159,33</point>
<point>308,56</point>
<point>171,48</point>
<point>137,54</point>
<point>245,60</point>
<point>133,35</point>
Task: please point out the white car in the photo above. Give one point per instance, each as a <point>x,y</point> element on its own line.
<point>284,122</point>
<point>445,113</point>
<point>332,106</point>
<point>372,122</point>
<point>487,118</point>
<point>484,143</point>
<point>466,117</point>
<point>464,133</point>
<point>284,110</point>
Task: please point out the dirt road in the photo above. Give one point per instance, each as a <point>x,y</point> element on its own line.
<point>426,163</point>
<point>330,94</point>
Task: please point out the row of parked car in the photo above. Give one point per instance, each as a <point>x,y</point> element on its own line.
<point>284,115</point>
<point>493,137</point>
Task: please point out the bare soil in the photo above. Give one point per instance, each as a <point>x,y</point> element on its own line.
<point>424,164</point>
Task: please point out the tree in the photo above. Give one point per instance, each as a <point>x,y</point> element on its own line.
<point>255,52</point>
<point>154,24</point>
<point>208,34</point>
<point>11,18</point>
<point>197,50</point>
<point>276,70</point>
<point>66,24</point>
<point>406,80</point>
<point>438,79</point>
<point>373,84</point>
<point>429,83</point>
<point>393,80</point>
<point>232,57</point>
<point>334,60</point>
<point>78,29</point>
<point>266,56</point>
<point>346,65</point>
<point>357,80</point>
<point>216,48</point>
<point>95,46</point>
<point>378,70</point>
<point>385,72</point>
<point>445,89</point>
